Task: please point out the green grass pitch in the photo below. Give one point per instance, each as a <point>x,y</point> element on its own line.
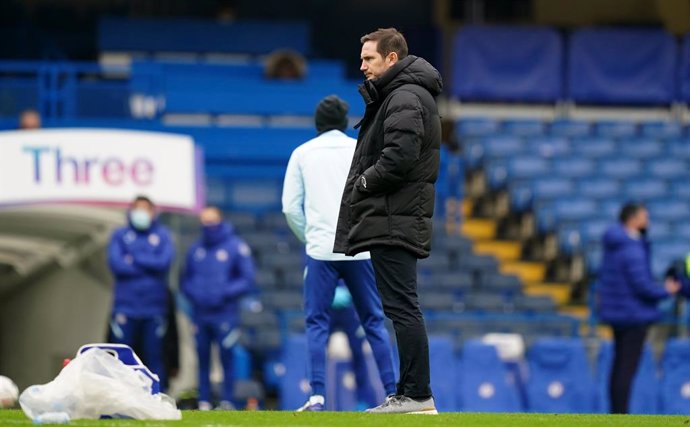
<point>267,418</point>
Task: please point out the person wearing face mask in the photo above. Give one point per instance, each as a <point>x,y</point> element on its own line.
<point>139,256</point>
<point>218,272</point>
<point>628,297</point>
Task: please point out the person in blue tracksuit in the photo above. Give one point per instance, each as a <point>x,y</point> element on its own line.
<point>314,180</point>
<point>344,318</point>
<point>139,256</point>
<point>628,297</point>
<point>218,272</point>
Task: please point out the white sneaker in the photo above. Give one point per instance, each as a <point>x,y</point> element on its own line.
<point>314,404</point>
<point>405,405</point>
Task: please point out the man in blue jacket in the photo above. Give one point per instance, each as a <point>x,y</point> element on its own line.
<point>628,297</point>
<point>218,272</point>
<point>139,256</point>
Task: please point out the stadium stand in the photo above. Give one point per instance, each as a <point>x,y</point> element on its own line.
<point>675,383</point>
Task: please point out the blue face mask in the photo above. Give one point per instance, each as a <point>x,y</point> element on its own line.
<point>140,219</point>
<point>211,232</point>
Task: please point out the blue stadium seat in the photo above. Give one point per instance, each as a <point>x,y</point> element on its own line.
<point>645,389</point>
<point>679,149</point>
<point>642,148</point>
<point>443,375</point>
<point>669,210</point>
<point>527,167</point>
<point>477,127</point>
<point>550,146</point>
<point>574,167</point>
<point>595,147</point>
<point>680,188</point>
<point>575,209</point>
<point>668,168</point>
<point>682,230</point>
<point>507,64</point>
<point>294,383</point>
<point>593,257</point>
<point>644,189</point>
<point>522,195</point>
<point>661,230</point>
<point>524,127</point>
<point>560,379</point>
<point>493,147</point>
<point>541,304</point>
<point>598,188</point>
<point>570,128</point>
<point>482,302</point>
<point>621,66</point>
<point>485,383</point>
<point>502,284</point>
<point>615,129</point>
<point>675,383</point>
<point>661,129</point>
<point>620,168</point>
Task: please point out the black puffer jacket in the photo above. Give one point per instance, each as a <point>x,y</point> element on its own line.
<point>389,193</point>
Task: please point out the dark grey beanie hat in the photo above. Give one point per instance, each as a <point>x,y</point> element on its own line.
<point>331,113</point>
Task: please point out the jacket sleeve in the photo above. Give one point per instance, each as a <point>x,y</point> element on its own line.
<point>160,260</point>
<point>637,274</point>
<point>293,198</point>
<point>403,132</point>
<point>120,262</point>
<point>241,280</point>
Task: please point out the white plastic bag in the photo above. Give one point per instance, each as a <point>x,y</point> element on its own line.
<point>94,385</point>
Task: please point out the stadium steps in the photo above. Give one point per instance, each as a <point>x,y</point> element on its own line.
<point>560,292</point>
<point>527,271</point>
<point>502,250</point>
<point>479,228</point>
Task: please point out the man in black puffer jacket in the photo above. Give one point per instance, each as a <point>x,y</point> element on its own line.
<point>388,201</point>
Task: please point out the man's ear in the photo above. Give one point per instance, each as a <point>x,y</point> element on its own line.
<point>392,58</point>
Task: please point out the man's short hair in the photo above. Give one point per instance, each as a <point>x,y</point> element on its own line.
<point>145,199</point>
<point>387,40</point>
<point>629,210</point>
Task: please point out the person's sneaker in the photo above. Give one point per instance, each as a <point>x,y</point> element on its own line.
<point>314,404</point>
<point>225,405</point>
<point>205,406</point>
<point>405,405</point>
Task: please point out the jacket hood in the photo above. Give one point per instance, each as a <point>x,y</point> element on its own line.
<point>616,236</point>
<point>212,235</point>
<point>411,70</point>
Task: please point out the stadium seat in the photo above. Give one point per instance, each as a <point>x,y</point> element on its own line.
<point>294,383</point>
<point>570,128</point>
<point>599,188</point>
<point>668,168</point>
<point>645,389</point>
<point>499,283</point>
<point>477,127</point>
<point>594,148</point>
<point>443,375</point>
<point>524,127</point>
<point>661,129</point>
<point>534,304</point>
<point>644,189</point>
<point>615,129</point>
<point>642,148</point>
<point>485,383</point>
<point>483,303</point>
<point>283,300</point>
<point>574,167</point>
<point>679,149</point>
<point>675,383</point>
<point>549,146</point>
<point>560,378</point>
<point>620,168</point>
<point>669,210</point>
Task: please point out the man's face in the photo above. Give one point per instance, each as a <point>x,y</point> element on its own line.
<point>143,205</point>
<point>30,120</point>
<point>209,216</point>
<point>642,219</point>
<point>373,64</point>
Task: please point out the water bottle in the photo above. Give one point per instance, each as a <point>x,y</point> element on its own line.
<point>52,418</point>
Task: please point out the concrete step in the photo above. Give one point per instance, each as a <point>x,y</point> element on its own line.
<point>527,271</point>
<point>503,250</point>
<point>479,229</point>
<point>560,292</point>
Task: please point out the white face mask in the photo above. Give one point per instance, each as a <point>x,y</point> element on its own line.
<point>140,219</point>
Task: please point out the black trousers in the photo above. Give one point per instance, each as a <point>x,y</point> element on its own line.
<point>628,343</point>
<point>396,278</point>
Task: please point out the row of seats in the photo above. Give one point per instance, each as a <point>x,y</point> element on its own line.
<point>558,379</point>
<point>589,65</point>
<point>469,127</point>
